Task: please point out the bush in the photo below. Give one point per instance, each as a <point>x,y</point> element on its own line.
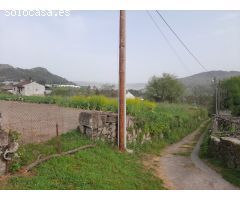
<point>230,90</point>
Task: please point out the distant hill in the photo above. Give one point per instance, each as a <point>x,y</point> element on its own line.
<point>38,74</point>
<point>205,79</point>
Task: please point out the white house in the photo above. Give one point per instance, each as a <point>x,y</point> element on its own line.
<point>29,88</point>
<point>129,95</point>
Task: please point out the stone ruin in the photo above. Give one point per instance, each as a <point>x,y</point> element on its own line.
<point>104,126</point>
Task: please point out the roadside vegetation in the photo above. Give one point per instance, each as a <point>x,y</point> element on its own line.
<point>164,88</point>
<point>161,120</point>
<point>230,89</point>
<point>101,167</point>
<point>231,175</point>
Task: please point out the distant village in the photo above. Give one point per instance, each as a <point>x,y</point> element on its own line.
<point>29,87</point>
<point>32,88</point>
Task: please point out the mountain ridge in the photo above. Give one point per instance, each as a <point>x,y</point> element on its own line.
<point>38,74</point>
<point>44,76</point>
<point>203,79</point>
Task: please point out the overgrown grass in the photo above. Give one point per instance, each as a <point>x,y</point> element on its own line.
<point>203,153</point>
<point>167,124</point>
<point>231,175</point>
<point>171,121</point>
<point>102,167</point>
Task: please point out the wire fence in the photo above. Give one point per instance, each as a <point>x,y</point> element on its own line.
<point>37,122</point>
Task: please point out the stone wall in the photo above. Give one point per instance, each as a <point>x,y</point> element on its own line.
<point>3,145</point>
<point>227,149</point>
<point>224,143</point>
<point>104,126</point>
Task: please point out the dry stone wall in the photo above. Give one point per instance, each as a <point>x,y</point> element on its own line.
<point>104,126</point>
<point>227,149</point>
<point>3,145</point>
<point>225,145</point>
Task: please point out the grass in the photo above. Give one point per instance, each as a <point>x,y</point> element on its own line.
<point>171,121</point>
<point>168,123</point>
<point>231,175</point>
<point>203,153</point>
<point>102,167</point>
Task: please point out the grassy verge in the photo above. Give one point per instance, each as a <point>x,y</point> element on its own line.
<point>168,125</point>
<point>168,121</point>
<point>102,167</point>
<point>231,175</point>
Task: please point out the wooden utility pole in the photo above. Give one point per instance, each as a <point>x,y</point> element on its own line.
<point>219,97</point>
<point>216,95</point>
<point>122,83</point>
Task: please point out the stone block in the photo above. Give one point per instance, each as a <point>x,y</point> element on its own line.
<point>104,126</point>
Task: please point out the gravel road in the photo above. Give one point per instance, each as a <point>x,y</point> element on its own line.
<point>180,167</point>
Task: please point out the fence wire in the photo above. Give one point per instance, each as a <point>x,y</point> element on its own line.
<point>37,122</point>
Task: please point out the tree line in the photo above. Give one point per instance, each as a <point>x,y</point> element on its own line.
<point>167,88</point>
<point>229,90</point>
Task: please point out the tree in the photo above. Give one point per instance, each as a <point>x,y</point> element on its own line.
<point>230,94</point>
<point>201,95</point>
<point>165,88</point>
<point>108,90</point>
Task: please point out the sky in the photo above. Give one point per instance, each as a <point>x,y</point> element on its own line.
<point>84,45</point>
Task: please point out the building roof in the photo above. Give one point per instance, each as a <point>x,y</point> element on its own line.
<point>129,95</point>
<point>22,83</point>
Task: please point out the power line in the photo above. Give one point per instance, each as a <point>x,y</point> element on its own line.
<point>184,45</point>
<point>167,41</point>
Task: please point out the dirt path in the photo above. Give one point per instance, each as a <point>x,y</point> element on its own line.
<point>180,167</point>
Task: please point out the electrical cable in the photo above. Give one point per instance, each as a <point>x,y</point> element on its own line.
<point>184,45</point>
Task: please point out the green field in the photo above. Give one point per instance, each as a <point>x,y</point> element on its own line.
<point>169,120</point>
<point>103,167</point>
